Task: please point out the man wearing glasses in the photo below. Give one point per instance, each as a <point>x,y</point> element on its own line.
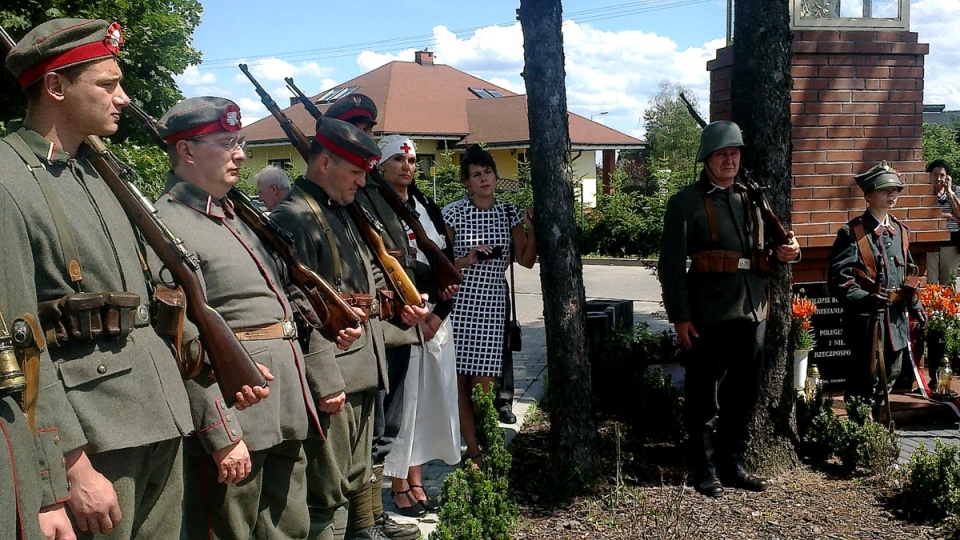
<point>244,471</point>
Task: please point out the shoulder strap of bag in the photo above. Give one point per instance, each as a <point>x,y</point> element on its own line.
<point>68,243</point>
<point>512,285</point>
<point>866,252</point>
<point>328,231</point>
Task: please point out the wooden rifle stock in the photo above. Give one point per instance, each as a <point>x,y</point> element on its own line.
<point>331,309</point>
<point>396,276</point>
<point>233,365</point>
<point>444,270</point>
<point>399,281</point>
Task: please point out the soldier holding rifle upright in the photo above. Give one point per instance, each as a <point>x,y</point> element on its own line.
<point>873,277</point>
<point>120,402</point>
<point>719,306</point>
<point>330,241</point>
<point>244,472</point>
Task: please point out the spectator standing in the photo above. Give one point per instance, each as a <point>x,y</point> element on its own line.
<point>942,265</point>
<point>273,184</point>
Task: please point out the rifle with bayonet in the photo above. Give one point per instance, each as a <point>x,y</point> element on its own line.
<point>332,312</point>
<point>444,270</point>
<point>754,190</point>
<point>232,364</point>
<point>397,278</point>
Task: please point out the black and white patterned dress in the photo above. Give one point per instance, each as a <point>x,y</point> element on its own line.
<point>481,307</point>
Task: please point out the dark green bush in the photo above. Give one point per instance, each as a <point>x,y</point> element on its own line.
<point>856,440</point>
<point>625,387</point>
<point>932,489</point>
<point>479,504</point>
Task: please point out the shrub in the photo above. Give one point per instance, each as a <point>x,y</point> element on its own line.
<point>479,504</point>
<point>932,489</point>
<point>857,440</point>
<point>626,388</point>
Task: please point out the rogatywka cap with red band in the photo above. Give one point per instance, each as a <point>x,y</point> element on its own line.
<point>62,43</point>
<point>348,142</point>
<point>198,116</point>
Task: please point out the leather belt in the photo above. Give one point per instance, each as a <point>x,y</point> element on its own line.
<point>366,303</point>
<point>282,330</point>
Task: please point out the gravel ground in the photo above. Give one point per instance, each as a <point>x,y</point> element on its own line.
<point>653,501</point>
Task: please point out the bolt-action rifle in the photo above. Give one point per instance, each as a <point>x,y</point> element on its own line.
<point>755,192</point>
<point>232,364</point>
<point>444,270</point>
<point>394,273</point>
<point>332,312</point>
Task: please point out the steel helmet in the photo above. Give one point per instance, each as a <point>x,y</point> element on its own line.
<point>717,136</point>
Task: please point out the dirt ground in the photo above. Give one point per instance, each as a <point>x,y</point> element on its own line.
<point>652,500</point>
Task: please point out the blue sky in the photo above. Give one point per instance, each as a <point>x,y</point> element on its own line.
<point>617,52</point>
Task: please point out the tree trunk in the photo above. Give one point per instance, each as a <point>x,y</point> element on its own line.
<point>760,91</point>
<point>572,430</point>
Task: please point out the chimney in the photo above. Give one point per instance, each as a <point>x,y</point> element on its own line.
<point>294,100</point>
<point>424,57</point>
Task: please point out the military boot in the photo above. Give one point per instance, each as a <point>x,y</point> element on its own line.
<point>736,476</point>
<point>396,530</point>
<point>370,533</point>
<point>707,482</point>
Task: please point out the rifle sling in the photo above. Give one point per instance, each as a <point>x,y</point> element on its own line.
<point>325,225</point>
<point>68,243</point>
<point>866,253</point>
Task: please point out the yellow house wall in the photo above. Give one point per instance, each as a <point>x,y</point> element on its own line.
<point>584,166</point>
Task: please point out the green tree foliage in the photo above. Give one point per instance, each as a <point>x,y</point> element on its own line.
<point>157,46</point>
<point>628,223</point>
<point>940,142</point>
<point>672,133</point>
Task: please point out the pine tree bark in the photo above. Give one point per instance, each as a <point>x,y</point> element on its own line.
<point>572,430</point>
<point>760,92</point>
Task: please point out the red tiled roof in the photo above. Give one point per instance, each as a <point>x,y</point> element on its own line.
<point>435,101</point>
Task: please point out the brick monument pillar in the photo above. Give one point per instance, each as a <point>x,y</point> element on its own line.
<point>857,99</point>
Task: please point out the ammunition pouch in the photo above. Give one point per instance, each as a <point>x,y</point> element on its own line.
<point>169,311</point>
<point>386,298</point>
<point>729,262</point>
<point>82,317</point>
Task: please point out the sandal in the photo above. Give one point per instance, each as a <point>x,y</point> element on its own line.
<point>416,508</point>
<point>431,505</point>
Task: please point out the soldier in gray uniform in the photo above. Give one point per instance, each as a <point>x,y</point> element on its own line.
<point>869,264</point>
<point>330,242</point>
<point>244,471</point>
<point>119,401</point>
<point>366,507</point>
<point>718,307</point>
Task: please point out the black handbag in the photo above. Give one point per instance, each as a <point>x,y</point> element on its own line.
<point>513,336</point>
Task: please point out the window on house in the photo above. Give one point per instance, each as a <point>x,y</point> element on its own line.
<point>485,93</point>
<point>336,93</point>
<point>284,164</point>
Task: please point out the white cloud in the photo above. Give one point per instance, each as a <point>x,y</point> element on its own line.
<point>935,21</point>
<point>369,60</point>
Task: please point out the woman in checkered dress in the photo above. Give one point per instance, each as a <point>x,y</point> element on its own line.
<point>483,229</point>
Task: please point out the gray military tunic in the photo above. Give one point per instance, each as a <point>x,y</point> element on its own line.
<point>245,284</point>
<point>110,394</point>
<point>341,465</point>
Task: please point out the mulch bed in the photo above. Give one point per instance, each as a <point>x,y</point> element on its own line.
<point>652,500</point>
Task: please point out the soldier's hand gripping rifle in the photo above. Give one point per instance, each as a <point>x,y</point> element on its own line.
<point>232,364</point>
<point>444,270</point>
<point>333,314</point>
<point>394,273</point>
<point>755,192</point>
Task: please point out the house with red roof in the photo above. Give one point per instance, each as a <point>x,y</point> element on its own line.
<point>443,109</point>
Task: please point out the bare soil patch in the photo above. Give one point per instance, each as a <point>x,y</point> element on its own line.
<point>653,500</point>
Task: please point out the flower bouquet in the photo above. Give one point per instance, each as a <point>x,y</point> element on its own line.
<point>801,329</point>
<point>942,306</point>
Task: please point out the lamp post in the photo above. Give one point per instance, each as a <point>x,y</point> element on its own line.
<point>592,116</point>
